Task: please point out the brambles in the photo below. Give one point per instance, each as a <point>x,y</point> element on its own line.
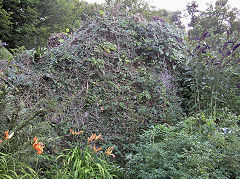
<point>56,39</point>
<point>110,77</point>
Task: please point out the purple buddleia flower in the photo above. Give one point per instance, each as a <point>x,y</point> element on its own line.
<point>205,35</point>
<point>235,47</point>
<point>228,53</point>
<point>228,32</point>
<point>225,45</point>
<point>4,43</point>
<point>238,85</point>
<point>213,59</point>
<point>220,51</point>
<point>179,40</point>
<point>197,38</point>
<point>162,21</point>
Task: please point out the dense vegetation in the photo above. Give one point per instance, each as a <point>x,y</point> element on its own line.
<point>95,91</point>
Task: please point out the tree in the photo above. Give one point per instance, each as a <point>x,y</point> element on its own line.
<point>219,18</point>
<point>30,22</point>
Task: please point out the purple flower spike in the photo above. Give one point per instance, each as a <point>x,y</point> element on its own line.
<point>197,38</point>
<point>4,43</point>
<point>205,35</point>
<point>228,53</point>
<point>238,85</point>
<point>220,51</point>
<point>235,47</point>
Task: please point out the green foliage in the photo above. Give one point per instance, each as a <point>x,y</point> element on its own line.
<point>199,147</point>
<point>29,23</point>
<point>5,21</point>
<point>6,58</point>
<point>12,169</point>
<point>132,5</point>
<point>82,163</point>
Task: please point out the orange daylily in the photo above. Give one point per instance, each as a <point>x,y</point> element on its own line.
<point>7,136</point>
<point>38,145</point>
<point>96,149</point>
<point>91,138</point>
<point>75,133</point>
<point>94,137</point>
<point>98,137</point>
<point>109,152</point>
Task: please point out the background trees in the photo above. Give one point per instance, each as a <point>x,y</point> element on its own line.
<point>217,18</point>
<point>29,23</point>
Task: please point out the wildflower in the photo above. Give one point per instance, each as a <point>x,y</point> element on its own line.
<point>38,145</point>
<point>102,109</point>
<point>96,149</point>
<point>109,152</point>
<point>91,138</point>
<point>94,137</point>
<point>75,133</point>
<point>1,141</point>
<point>98,137</point>
<point>235,47</point>
<point>3,43</point>
<point>7,136</point>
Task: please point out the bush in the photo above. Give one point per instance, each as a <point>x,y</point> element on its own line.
<point>211,80</point>
<point>112,76</point>
<point>199,147</point>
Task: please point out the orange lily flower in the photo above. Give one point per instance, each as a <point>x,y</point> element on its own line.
<point>96,149</point>
<point>38,145</point>
<point>98,137</point>
<point>91,138</point>
<point>75,133</point>
<point>94,137</point>
<point>7,136</point>
<point>109,152</point>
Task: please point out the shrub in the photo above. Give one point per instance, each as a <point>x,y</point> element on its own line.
<point>112,76</point>
<point>199,147</point>
<point>212,76</point>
